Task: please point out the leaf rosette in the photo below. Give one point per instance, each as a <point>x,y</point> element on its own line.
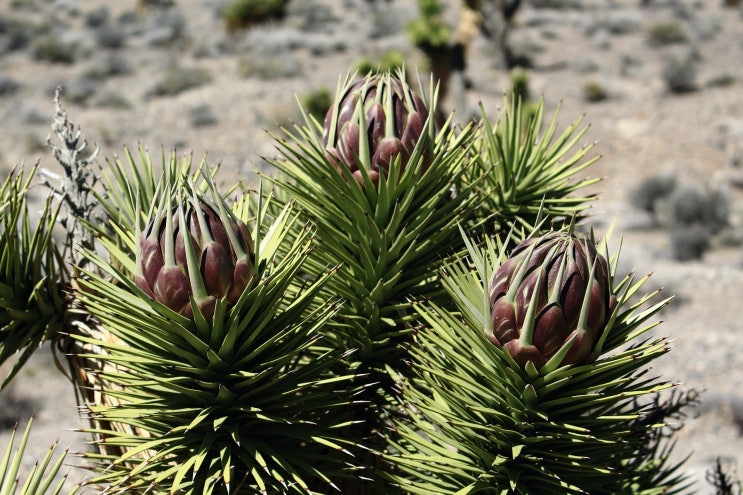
<point>234,398</point>
<point>481,420</point>
<point>32,305</point>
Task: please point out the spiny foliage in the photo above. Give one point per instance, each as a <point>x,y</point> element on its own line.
<point>388,232</point>
<point>356,359</point>
<point>220,405</point>
<point>41,480</point>
<point>479,422</point>
<point>528,170</point>
<point>31,304</point>
<point>387,236</point>
<point>391,235</point>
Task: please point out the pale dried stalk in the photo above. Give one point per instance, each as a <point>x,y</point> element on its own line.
<point>74,189</point>
<point>79,205</point>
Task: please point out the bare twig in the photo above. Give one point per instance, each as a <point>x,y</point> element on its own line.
<point>75,187</point>
<point>724,481</point>
<point>74,190</point>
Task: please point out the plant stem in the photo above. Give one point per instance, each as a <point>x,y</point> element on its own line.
<point>75,187</point>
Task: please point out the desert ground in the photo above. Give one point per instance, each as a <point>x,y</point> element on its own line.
<point>669,76</point>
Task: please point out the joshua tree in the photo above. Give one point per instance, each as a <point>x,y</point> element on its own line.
<point>339,328</point>
<point>447,49</point>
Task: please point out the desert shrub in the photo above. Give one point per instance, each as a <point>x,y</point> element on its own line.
<point>391,61</point>
<point>263,67</point>
<point>164,28</point>
<point>429,31</point>
<point>97,17</point>
<point>110,36</point>
<point>202,116</point>
<point>680,75</point>
<point>52,49</point>
<point>666,33</point>
<point>178,79</point>
<point>111,65</point>
<point>594,92</point>
<point>241,14</point>
<point>695,216</point>
<point>312,15</point>
<point>718,209</point>
<point>721,81</point>
<point>520,80</point>
<point>652,190</point>
<point>620,23</point>
<point>691,215</point>
<point>689,242</point>
<point>14,408</point>
<point>113,99</point>
<point>155,4</point>
<point>521,51</point>
<point>520,83</point>
<point>317,102</point>
<point>8,86</point>
<point>557,4</point>
<point>80,90</point>
<point>15,35</point>
<point>690,205</point>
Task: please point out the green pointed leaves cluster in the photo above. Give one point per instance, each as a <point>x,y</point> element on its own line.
<point>237,402</point>
<point>389,234</point>
<point>332,340</point>
<point>131,185</point>
<point>43,478</point>
<point>31,304</point>
<point>388,224</point>
<point>529,169</point>
<point>480,422</point>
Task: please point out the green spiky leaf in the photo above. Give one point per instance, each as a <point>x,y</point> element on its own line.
<point>241,402</point>
<point>31,303</point>
<point>41,480</point>
<point>480,423</point>
<point>530,170</point>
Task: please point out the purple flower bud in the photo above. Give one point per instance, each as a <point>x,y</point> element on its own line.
<point>221,266</point>
<point>381,114</point>
<point>566,284</point>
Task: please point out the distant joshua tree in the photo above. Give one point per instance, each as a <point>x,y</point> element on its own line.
<point>493,18</point>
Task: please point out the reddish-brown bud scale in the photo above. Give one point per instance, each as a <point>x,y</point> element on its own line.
<point>172,288</point>
<point>568,282</point>
<point>221,270</point>
<point>385,112</point>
